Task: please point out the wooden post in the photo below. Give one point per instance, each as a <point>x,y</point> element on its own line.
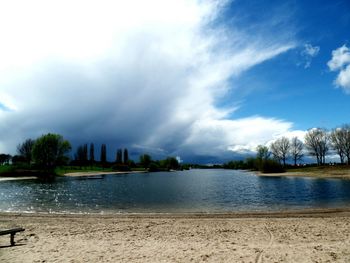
<point>12,239</point>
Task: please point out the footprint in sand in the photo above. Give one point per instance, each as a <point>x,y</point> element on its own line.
<point>271,239</point>
<point>33,237</point>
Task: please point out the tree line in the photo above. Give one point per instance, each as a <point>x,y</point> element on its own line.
<point>51,150</point>
<point>85,155</point>
<point>318,143</point>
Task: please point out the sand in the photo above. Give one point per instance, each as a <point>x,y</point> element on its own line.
<point>325,175</point>
<point>275,237</point>
<point>334,172</point>
<point>94,173</point>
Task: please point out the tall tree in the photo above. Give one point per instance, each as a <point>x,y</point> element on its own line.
<point>296,149</point>
<point>4,158</point>
<point>50,150</point>
<point>103,153</point>
<point>171,163</point>
<point>280,149</point>
<point>262,152</point>
<point>262,155</point>
<point>145,160</point>
<point>81,155</point>
<point>85,151</point>
<point>338,141</point>
<point>119,156</point>
<point>92,153</point>
<point>126,156</point>
<point>346,142</point>
<point>317,143</point>
<point>25,150</point>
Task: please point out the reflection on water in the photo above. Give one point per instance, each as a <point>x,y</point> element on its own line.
<point>187,191</point>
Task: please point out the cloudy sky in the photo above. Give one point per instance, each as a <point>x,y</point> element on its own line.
<point>203,80</point>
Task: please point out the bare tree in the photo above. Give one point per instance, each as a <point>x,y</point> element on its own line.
<point>338,141</point>
<point>346,142</point>
<point>316,142</point>
<point>280,149</point>
<point>25,149</point>
<point>296,149</point>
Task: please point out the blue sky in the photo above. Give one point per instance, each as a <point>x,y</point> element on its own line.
<point>282,87</point>
<point>204,80</point>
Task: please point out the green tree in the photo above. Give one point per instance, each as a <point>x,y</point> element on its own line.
<point>126,156</point>
<point>81,155</point>
<point>145,160</point>
<point>25,150</point>
<point>119,156</point>
<point>262,155</point>
<point>4,158</point>
<point>92,153</point>
<point>170,163</point>
<point>86,154</point>
<point>262,152</point>
<point>50,150</point>
<point>103,154</point>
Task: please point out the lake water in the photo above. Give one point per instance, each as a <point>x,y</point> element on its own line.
<point>185,191</point>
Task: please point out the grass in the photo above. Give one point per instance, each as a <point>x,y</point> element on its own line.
<point>18,170</point>
<point>322,169</point>
<point>75,169</point>
<point>25,170</point>
<point>4,169</point>
<point>326,171</point>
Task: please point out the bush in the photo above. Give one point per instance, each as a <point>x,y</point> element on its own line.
<point>153,167</point>
<point>121,167</point>
<point>271,166</point>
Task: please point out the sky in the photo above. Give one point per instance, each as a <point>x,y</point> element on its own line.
<point>207,81</point>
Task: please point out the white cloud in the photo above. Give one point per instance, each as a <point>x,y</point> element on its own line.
<point>340,58</point>
<point>343,79</point>
<point>142,73</point>
<point>309,53</point>
<point>341,62</point>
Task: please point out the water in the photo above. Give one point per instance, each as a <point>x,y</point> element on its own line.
<point>187,191</point>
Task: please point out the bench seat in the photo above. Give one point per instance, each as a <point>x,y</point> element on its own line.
<point>11,232</point>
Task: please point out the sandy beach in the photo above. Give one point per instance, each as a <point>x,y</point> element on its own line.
<point>321,236</point>
<point>321,173</point>
<point>94,173</point>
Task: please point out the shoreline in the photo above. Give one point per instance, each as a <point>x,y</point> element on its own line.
<point>316,175</point>
<point>82,174</point>
<point>74,174</point>
<point>317,212</point>
<point>5,178</point>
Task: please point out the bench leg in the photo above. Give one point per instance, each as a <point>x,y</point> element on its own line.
<point>12,239</point>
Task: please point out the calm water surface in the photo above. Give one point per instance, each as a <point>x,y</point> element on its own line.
<point>187,191</point>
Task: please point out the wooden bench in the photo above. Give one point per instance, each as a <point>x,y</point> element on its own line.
<point>11,232</point>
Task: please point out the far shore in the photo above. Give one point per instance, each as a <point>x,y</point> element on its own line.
<point>74,174</point>
<point>315,172</point>
<point>7,178</point>
<point>95,173</point>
